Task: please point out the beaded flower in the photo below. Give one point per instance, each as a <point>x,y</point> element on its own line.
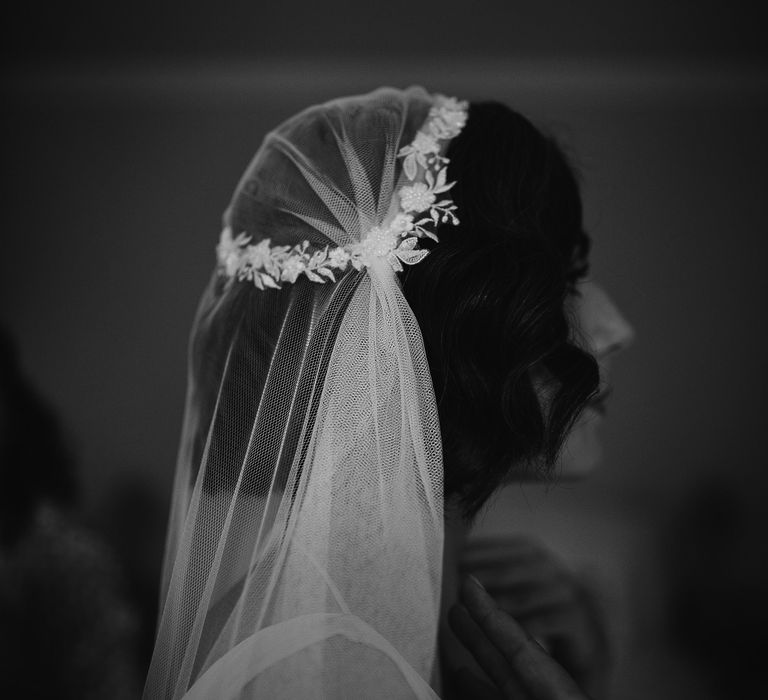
<point>423,204</point>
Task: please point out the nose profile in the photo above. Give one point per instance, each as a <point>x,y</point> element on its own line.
<point>601,321</point>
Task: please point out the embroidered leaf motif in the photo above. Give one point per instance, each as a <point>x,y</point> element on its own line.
<point>269,282</point>
<point>412,257</point>
<point>394,262</point>
<point>314,276</point>
<point>409,166</point>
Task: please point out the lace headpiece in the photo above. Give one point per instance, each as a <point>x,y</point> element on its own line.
<point>423,203</point>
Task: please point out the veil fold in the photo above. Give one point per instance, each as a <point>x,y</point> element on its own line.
<point>304,548</point>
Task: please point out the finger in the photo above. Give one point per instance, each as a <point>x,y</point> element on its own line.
<point>471,686</point>
<point>535,670</point>
<point>488,657</point>
<point>572,639</point>
<point>502,630</point>
<point>566,648</point>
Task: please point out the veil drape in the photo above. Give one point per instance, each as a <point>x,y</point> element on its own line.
<point>304,547</point>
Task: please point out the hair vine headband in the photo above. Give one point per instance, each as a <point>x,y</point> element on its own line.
<point>266,265</point>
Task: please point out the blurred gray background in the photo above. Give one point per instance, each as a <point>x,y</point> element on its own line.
<point>126,128</point>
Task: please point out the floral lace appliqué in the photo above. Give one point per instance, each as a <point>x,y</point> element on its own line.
<point>423,205</point>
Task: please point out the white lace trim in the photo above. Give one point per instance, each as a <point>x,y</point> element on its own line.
<point>422,206</point>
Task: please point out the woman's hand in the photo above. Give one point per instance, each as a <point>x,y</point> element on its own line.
<point>518,666</point>
<point>548,600</point>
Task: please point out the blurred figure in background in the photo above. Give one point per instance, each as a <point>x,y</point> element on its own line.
<point>66,630</point>
<point>131,519</point>
<point>38,468</point>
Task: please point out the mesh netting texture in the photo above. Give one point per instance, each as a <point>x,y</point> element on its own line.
<point>304,547</point>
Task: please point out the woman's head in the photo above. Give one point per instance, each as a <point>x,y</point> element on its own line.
<point>311,445</point>
<point>510,371</point>
<point>492,299</point>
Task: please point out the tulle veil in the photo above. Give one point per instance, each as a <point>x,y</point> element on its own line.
<point>305,541</point>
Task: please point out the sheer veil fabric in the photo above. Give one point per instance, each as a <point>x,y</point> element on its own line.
<point>304,548</point>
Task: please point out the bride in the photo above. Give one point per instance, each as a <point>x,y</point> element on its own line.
<point>396,326</point>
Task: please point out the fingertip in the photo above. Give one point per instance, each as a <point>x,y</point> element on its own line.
<point>474,595</point>
<point>471,585</point>
<point>457,616</point>
<point>477,583</point>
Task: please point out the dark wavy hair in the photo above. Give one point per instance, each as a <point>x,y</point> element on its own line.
<point>510,378</point>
